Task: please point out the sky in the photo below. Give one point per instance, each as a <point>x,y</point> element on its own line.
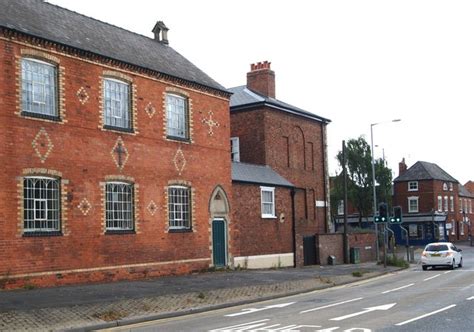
<point>355,62</point>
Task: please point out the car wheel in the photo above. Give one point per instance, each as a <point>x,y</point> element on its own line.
<point>460,263</point>
<point>453,265</point>
<point>424,267</point>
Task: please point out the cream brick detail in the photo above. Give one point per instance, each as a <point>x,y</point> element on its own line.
<point>39,54</point>
<point>42,140</point>
<point>150,110</point>
<point>119,161</point>
<point>84,206</point>
<point>119,75</point>
<point>82,95</point>
<point>211,123</point>
<point>179,161</point>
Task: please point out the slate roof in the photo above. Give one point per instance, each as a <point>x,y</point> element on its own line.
<point>464,192</point>
<point>423,170</point>
<point>60,25</point>
<point>258,174</point>
<point>244,98</point>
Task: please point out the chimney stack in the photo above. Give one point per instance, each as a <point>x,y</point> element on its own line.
<point>402,167</point>
<point>161,32</point>
<point>261,79</point>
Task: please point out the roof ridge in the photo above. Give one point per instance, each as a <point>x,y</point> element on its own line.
<point>95,19</point>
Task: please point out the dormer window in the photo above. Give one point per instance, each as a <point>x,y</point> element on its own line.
<point>413,186</point>
<point>445,186</point>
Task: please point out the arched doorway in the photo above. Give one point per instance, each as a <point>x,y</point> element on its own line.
<point>219,211</point>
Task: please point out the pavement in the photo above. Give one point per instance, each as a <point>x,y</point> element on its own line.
<point>94,306</point>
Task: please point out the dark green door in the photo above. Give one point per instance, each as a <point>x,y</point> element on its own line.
<point>218,242</point>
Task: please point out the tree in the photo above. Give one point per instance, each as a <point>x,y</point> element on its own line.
<point>359,178</point>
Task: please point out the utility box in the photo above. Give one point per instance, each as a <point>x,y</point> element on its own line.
<point>331,260</point>
<point>354,254</point>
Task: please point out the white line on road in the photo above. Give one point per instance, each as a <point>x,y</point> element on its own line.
<point>435,276</point>
<point>470,298</point>
<point>365,311</point>
<point>239,325</point>
<point>331,305</point>
<point>395,289</point>
<point>426,315</point>
<point>447,272</point>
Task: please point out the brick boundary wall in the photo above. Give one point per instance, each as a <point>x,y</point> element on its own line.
<point>332,244</point>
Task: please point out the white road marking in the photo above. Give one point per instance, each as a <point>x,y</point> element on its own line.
<point>286,328</point>
<point>470,298</point>
<point>239,325</point>
<point>252,310</point>
<point>435,276</point>
<point>447,272</point>
<point>366,310</point>
<point>329,329</point>
<point>426,315</point>
<point>395,289</point>
<point>331,305</point>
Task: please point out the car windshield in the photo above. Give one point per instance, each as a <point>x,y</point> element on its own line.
<point>436,247</point>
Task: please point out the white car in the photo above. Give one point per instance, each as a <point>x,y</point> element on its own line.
<point>441,254</point>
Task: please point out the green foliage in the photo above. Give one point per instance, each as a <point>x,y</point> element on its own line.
<point>359,179</point>
<point>396,261</point>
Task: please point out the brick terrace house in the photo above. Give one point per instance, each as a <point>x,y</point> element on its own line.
<point>434,204</point>
<point>114,149</point>
<point>270,137</point>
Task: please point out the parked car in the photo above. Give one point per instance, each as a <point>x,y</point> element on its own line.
<point>441,254</point>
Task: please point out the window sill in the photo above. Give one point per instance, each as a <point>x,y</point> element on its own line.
<point>269,217</point>
<point>178,139</point>
<point>120,129</point>
<point>33,115</point>
<point>42,234</point>
<point>119,232</point>
<point>180,230</point>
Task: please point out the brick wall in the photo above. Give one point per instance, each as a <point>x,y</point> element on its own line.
<point>332,244</point>
<point>255,235</point>
<point>293,146</point>
<point>81,151</point>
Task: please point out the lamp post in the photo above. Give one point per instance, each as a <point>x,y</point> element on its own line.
<point>377,254</point>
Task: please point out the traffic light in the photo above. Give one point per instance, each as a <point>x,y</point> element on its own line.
<point>397,215</point>
<point>383,216</point>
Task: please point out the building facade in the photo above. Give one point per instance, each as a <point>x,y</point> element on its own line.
<point>435,205</point>
<point>115,159</point>
<point>292,142</point>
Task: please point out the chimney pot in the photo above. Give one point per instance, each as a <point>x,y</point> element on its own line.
<point>261,79</point>
<point>402,167</point>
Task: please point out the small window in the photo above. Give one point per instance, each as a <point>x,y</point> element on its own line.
<point>440,203</point>
<point>451,201</point>
<point>41,204</point>
<point>340,207</point>
<point>446,208</point>
<point>445,186</point>
<point>119,206</point>
<point>470,206</point>
<point>412,204</point>
<point>177,117</point>
<point>460,205</point>
<point>268,202</point>
<point>234,149</point>
<point>39,88</point>
<point>413,186</point>
<point>453,227</point>
<point>179,208</point>
<point>450,186</point>
<point>117,109</point>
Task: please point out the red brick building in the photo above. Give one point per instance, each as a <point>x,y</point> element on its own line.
<point>291,142</point>
<point>435,205</point>
<point>114,150</point>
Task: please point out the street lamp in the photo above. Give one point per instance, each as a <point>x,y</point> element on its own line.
<point>373,182</point>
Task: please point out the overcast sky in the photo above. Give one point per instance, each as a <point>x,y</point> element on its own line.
<point>354,62</point>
